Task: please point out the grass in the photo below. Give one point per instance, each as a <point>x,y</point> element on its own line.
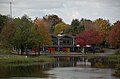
<point>9,58</point>
<point>22,60</point>
<point>117,71</point>
<point>5,52</point>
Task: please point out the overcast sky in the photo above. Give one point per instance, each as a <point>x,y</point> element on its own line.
<point>66,9</point>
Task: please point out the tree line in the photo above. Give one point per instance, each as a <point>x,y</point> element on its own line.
<point>23,33</point>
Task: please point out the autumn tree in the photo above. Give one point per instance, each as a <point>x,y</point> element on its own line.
<point>75,28</point>
<point>44,33</point>
<point>60,28</point>
<point>103,25</point>
<point>50,21</point>
<point>88,24</point>
<point>89,37</point>
<point>114,35</point>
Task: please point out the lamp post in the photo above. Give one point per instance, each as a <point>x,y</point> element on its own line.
<point>78,47</point>
<point>83,50</point>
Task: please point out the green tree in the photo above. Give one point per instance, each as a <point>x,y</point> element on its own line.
<point>3,19</point>
<point>26,34</point>
<point>7,33</point>
<point>75,28</point>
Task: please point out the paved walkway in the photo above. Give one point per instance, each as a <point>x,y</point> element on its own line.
<point>75,54</point>
<point>106,53</point>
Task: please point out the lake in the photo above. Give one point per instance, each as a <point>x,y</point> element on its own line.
<point>50,72</point>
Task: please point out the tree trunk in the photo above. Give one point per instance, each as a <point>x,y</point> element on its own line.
<point>18,50</point>
<point>22,49</point>
<point>26,50</point>
<point>39,49</point>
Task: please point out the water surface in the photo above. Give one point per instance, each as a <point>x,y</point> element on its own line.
<point>81,73</point>
<point>40,72</point>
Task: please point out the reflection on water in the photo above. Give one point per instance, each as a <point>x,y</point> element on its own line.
<point>51,71</point>
<point>22,71</point>
<point>81,73</point>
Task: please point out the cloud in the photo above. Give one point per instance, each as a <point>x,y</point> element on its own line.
<point>66,9</point>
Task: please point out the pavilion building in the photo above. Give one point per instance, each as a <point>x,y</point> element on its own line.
<point>62,42</point>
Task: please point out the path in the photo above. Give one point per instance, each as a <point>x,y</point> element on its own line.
<point>106,53</point>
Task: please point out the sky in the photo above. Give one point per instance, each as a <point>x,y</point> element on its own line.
<point>65,9</point>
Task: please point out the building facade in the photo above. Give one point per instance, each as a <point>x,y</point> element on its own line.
<point>63,43</point>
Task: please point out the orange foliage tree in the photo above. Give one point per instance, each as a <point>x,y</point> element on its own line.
<point>43,31</point>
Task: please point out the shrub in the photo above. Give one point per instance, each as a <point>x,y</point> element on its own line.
<point>117,71</point>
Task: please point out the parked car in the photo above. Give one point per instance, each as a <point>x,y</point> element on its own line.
<point>99,49</point>
<point>88,49</point>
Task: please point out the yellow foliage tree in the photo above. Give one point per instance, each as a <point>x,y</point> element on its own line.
<point>103,26</point>
<point>60,28</point>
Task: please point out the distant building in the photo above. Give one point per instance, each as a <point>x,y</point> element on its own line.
<point>62,43</point>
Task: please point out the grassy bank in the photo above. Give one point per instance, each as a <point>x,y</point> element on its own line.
<point>7,57</point>
<point>5,51</point>
<point>24,60</point>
